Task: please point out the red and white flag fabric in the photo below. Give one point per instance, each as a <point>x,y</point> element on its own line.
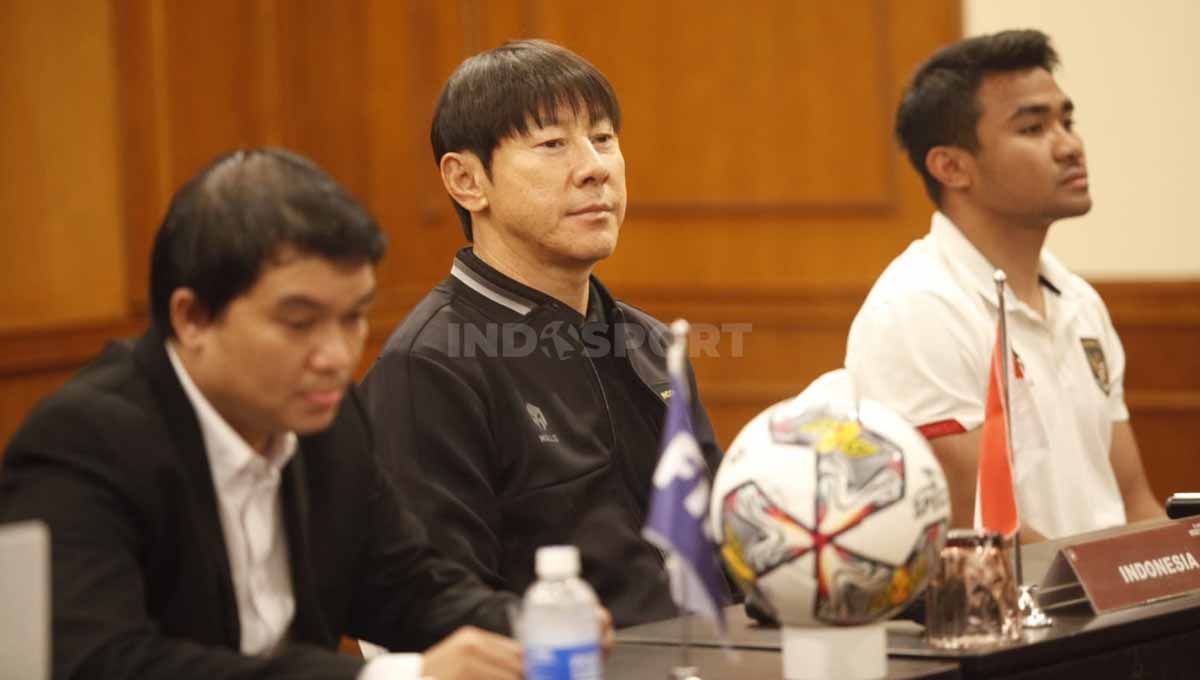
<point>995,497</point>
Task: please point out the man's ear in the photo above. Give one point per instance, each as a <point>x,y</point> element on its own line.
<point>953,166</point>
<point>465,180</point>
<point>189,318</point>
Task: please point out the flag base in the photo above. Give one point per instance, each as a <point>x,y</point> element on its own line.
<point>849,653</point>
<point>1031,614</point>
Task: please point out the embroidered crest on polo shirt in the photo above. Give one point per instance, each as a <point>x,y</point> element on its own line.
<point>1095,358</point>
<point>539,420</point>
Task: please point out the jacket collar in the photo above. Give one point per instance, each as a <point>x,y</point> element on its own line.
<point>480,277</point>
<point>501,290</point>
<point>151,355</point>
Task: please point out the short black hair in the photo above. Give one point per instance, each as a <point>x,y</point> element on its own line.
<point>238,213</point>
<point>939,105</point>
<point>494,95</point>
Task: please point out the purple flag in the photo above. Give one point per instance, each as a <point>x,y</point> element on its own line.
<point>679,501</point>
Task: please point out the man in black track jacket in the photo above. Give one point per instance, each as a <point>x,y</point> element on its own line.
<point>521,404</point>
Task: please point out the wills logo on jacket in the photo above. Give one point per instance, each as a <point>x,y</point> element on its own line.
<point>539,420</point>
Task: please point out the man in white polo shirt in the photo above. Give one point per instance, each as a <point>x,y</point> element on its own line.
<point>987,127</point>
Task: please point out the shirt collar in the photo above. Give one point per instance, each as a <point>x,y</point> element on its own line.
<point>229,455</point>
<point>971,266</point>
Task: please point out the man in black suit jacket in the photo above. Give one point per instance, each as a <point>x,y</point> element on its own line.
<point>262,272</point>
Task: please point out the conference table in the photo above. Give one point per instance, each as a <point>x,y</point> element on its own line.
<point>1155,641</point>
<point>654,662</point>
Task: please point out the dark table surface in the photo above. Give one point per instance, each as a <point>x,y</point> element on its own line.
<point>1127,643</point>
<point>655,661</point>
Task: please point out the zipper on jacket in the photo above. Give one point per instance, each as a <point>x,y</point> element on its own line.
<point>620,316</point>
<point>616,447</point>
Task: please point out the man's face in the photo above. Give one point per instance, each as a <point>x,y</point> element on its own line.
<point>1030,166</point>
<point>557,194</point>
<point>283,353</point>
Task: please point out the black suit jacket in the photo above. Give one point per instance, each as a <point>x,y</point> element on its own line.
<point>115,463</point>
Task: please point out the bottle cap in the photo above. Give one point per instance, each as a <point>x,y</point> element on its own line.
<point>557,561</point>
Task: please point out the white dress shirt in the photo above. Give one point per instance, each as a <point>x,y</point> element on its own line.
<point>247,486</point>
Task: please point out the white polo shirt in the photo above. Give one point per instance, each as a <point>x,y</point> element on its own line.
<point>922,344</point>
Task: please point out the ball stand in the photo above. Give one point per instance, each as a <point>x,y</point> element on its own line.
<point>846,653</point>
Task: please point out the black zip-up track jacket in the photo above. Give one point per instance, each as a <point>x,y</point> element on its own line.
<point>491,413</point>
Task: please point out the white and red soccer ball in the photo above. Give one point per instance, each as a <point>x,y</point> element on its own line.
<point>830,510</point>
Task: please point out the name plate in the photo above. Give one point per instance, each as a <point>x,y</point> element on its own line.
<point>1126,570</point>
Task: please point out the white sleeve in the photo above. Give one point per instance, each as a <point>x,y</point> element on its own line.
<point>392,667</point>
<point>921,358</point>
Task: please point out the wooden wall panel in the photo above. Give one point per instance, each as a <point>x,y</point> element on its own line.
<point>1159,326</point>
<point>142,104</point>
<point>790,114</point>
<point>824,241</point>
<point>765,190</point>
<point>61,246</point>
<point>201,79</point>
<point>196,80</point>
<point>1170,443</point>
<point>411,48</point>
<point>323,86</point>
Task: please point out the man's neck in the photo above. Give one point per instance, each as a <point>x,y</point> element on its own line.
<point>257,440</point>
<point>1015,248</point>
<point>568,285</point>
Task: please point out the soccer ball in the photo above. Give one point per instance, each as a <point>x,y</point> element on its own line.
<point>828,510</point>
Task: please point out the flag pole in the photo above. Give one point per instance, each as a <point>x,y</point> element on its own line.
<point>1031,614</point>
<point>676,356</point>
<point>1001,278</point>
<point>685,670</point>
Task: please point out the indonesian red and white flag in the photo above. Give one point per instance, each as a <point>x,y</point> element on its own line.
<point>995,497</point>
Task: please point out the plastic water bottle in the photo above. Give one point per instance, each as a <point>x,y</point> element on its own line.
<point>560,630</point>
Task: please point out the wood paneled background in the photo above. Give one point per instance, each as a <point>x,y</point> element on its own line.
<point>764,185</point>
